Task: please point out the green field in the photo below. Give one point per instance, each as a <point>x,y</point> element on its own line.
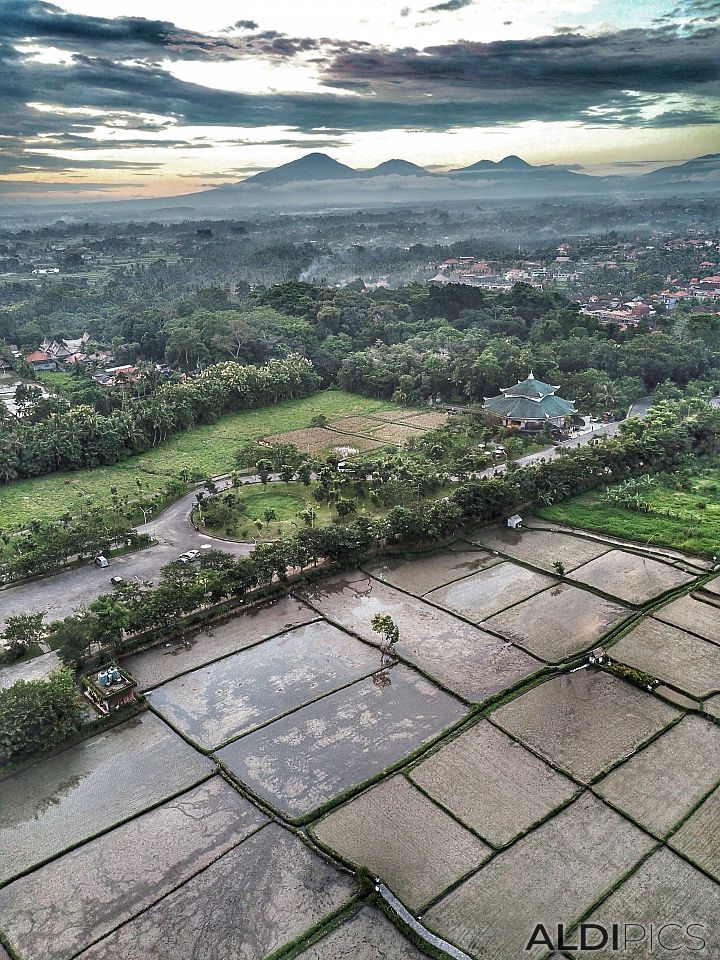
<point>684,513</point>
<point>208,449</point>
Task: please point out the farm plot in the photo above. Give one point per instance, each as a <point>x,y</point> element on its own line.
<point>630,577</point>
<point>399,835</point>
<point>693,615</point>
<point>713,586</point>
<point>584,722</point>
<point>396,414</point>
<point>428,421</point>
<point>712,706</point>
<point>89,787</point>
<point>490,591</point>
<point>314,755</point>
<point>369,930</point>
<point>222,701</point>
<point>699,838</point>
<point>672,655</point>
<point>161,663</point>
<point>398,433</point>
<point>86,893</point>
<point>421,574</point>
<point>541,548</point>
<point>559,622</point>
<point>664,890</point>
<point>660,785</point>
<point>260,896</point>
<point>468,661</point>
<point>361,425</point>
<point>492,784</point>
<point>551,876</point>
<point>317,439</point>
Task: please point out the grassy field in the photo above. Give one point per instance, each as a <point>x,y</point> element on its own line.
<point>209,449</point>
<point>290,501</point>
<point>684,513</point>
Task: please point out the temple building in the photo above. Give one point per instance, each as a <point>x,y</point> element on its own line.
<point>529,405</point>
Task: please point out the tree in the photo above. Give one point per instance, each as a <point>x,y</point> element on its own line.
<point>72,637</point>
<point>37,715</point>
<point>269,515</point>
<point>384,624</point>
<point>286,473</point>
<point>21,632</point>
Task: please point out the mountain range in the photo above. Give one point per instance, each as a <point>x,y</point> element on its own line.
<point>317,181</point>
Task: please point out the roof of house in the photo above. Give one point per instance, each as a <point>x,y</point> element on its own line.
<point>37,357</point>
<point>529,399</point>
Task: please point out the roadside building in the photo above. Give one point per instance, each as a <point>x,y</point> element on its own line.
<point>530,405</point>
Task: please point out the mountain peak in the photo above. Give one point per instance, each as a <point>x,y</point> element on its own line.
<point>513,162</point>
<point>403,168</point>
<point>313,166</point>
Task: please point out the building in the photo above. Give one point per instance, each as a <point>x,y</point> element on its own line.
<point>41,361</point>
<point>109,690</point>
<point>530,405</point>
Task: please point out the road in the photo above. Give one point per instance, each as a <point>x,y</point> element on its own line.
<point>64,593</point>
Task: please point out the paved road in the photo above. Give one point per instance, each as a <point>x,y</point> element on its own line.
<point>64,593</point>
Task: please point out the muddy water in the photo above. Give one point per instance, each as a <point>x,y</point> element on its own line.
<point>221,701</point>
<point>85,789</point>
<point>322,750</point>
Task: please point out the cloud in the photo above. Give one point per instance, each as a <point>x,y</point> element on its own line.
<point>116,74</point>
<point>449,5</point>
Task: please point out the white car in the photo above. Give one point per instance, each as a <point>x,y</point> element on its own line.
<point>189,557</point>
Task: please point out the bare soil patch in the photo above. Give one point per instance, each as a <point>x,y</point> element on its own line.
<point>662,783</point>
<point>165,661</point>
<point>551,876</point>
<point>402,837</point>
<point>490,591</point>
<point>86,893</point>
<point>213,704</point>
<point>302,761</point>
<point>630,577</point>
<point>370,931</point>
<point>421,574</point>
<point>665,890</point>
<point>693,615</point>
<point>541,548</point>
<point>468,661</point>
<point>585,721</point>
<point>492,784</point>
<point>671,655</point>
<point>260,896</point>
<point>699,838</point>
<point>87,788</point>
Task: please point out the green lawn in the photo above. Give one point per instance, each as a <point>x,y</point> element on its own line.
<point>59,379</point>
<point>209,449</point>
<point>290,501</point>
<point>675,518</point>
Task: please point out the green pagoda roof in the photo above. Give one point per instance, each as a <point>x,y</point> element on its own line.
<point>522,408</point>
<point>529,399</point>
<point>531,389</point>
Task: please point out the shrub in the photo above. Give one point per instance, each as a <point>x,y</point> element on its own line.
<point>36,715</point>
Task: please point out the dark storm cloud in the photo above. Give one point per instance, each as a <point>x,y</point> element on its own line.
<point>654,61</point>
<point>449,5</point>
<point>114,75</point>
<point>130,37</point>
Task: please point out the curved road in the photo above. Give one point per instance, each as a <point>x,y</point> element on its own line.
<point>71,590</point>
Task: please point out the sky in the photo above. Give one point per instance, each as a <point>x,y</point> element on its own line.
<point>136,98</point>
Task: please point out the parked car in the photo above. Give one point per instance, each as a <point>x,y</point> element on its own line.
<point>116,581</point>
<point>190,556</point>
<point>102,561</point>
